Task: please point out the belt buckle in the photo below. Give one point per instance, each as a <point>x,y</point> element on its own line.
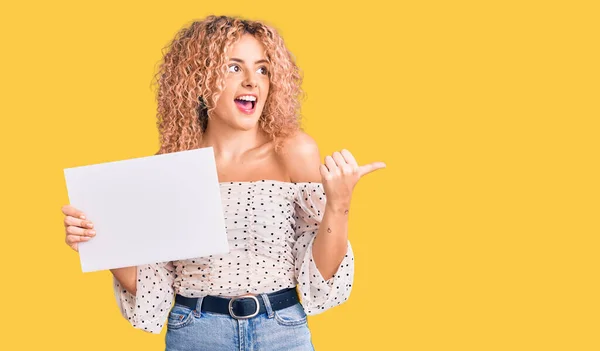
<point>239,298</point>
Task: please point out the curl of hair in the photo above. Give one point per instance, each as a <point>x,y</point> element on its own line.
<point>191,77</point>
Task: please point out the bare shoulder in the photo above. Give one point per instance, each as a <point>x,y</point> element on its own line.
<point>301,158</point>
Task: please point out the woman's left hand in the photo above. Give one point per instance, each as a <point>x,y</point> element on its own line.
<point>340,173</point>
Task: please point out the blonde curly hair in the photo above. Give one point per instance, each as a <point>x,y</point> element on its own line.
<point>191,77</point>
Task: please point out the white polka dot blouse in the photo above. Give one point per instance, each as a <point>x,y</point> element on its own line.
<point>271,226</point>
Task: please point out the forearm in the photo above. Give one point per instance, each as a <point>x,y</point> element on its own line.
<point>331,243</point>
<point>127,276</point>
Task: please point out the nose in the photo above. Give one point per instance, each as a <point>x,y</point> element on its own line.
<point>250,81</point>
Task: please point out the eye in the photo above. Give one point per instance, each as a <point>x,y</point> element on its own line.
<point>234,68</point>
<point>263,70</point>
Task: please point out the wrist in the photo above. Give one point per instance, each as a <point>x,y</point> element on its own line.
<point>338,207</point>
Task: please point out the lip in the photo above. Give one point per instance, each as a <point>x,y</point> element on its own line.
<point>243,110</point>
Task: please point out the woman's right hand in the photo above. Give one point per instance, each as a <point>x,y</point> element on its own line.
<point>77,227</point>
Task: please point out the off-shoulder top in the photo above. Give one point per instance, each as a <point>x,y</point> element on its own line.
<point>271,226</point>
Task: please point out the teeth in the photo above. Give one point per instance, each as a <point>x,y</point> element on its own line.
<point>246,98</point>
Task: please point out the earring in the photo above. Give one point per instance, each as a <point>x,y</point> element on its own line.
<point>202,113</point>
<point>202,102</point>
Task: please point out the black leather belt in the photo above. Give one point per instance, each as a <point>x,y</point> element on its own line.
<point>241,307</point>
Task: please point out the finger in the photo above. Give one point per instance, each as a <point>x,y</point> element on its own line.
<point>348,170</point>
<point>69,210</point>
<point>74,247</point>
<point>73,230</point>
<point>78,222</point>
<point>73,239</point>
<point>366,169</point>
<point>345,167</point>
<point>330,163</point>
<point>349,158</point>
<point>324,172</point>
<point>339,159</point>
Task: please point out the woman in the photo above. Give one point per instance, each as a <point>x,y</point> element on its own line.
<point>232,85</point>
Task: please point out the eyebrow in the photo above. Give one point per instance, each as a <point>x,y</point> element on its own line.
<point>242,61</point>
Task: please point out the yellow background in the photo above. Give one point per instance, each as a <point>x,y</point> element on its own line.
<point>482,233</point>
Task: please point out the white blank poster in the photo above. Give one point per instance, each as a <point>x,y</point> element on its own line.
<point>151,209</point>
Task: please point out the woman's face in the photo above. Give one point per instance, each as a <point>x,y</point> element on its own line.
<point>246,85</point>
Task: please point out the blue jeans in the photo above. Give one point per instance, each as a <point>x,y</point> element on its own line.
<point>283,330</point>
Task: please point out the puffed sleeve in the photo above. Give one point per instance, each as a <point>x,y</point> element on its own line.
<point>317,294</point>
<point>149,308</point>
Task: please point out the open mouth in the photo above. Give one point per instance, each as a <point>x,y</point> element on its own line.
<point>246,103</point>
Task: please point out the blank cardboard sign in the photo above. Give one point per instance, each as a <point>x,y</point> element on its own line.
<point>151,209</point>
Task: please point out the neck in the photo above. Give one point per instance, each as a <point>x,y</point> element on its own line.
<point>230,144</point>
